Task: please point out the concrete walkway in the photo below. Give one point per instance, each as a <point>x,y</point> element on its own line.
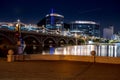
<point>58,70</point>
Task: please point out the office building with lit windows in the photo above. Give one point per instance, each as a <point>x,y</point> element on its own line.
<point>108,32</point>
<point>85,28</point>
<point>54,21</point>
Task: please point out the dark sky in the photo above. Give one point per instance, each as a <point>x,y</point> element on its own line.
<point>105,12</point>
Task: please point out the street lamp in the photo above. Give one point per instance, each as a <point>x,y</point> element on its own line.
<point>19,39</point>
<point>18,32</point>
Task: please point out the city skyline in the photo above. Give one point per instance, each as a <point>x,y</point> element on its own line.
<point>104,12</point>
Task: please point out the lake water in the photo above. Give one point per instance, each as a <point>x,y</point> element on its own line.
<point>111,50</point>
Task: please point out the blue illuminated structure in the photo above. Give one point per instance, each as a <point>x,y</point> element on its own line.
<point>52,18</point>
<point>54,21</point>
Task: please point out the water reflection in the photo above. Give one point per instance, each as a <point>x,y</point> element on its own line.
<point>111,50</point>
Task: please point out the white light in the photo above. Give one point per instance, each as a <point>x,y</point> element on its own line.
<point>85,22</point>
<point>54,14</point>
<point>18,20</point>
<point>110,53</point>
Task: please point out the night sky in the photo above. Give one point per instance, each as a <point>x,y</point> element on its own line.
<point>105,12</point>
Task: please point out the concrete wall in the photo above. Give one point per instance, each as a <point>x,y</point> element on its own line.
<point>113,60</point>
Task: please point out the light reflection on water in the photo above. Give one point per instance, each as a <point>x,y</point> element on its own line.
<point>111,50</point>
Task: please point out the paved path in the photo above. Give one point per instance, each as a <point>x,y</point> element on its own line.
<point>58,70</point>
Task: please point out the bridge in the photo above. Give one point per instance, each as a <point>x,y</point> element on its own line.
<point>35,42</point>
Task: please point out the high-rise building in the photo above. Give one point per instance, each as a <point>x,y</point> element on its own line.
<point>54,21</point>
<point>108,32</point>
<point>88,28</point>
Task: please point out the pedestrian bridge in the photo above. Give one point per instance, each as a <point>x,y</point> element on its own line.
<point>35,42</point>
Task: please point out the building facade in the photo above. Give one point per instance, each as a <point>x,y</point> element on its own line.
<point>108,32</point>
<point>85,28</point>
<point>54,21</point>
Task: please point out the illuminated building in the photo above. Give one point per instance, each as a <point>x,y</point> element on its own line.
<point>88,28</point>
<point>108,32</point>
<point>54,21</point>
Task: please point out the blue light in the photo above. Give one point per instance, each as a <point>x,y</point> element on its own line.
<point>52,17</point>
<point>52,10</point>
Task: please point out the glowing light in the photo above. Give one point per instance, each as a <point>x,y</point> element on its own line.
<point>85,22</point>
<point>110,50</point>
<point>54,14</point>
<point>103,50</point>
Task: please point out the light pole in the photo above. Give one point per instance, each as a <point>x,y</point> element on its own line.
<point>19,39</point>
<point>18,32</point>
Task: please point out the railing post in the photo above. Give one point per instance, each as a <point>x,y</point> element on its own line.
<point>10,56</point>
<point>93,53</point>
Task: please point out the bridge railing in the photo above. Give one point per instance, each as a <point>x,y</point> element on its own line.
<point>35,30</point>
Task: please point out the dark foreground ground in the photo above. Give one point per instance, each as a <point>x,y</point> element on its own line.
<point>58,70</point>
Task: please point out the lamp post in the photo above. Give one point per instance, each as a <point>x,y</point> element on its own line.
<point>18,32</point>
<point>19,39</point>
